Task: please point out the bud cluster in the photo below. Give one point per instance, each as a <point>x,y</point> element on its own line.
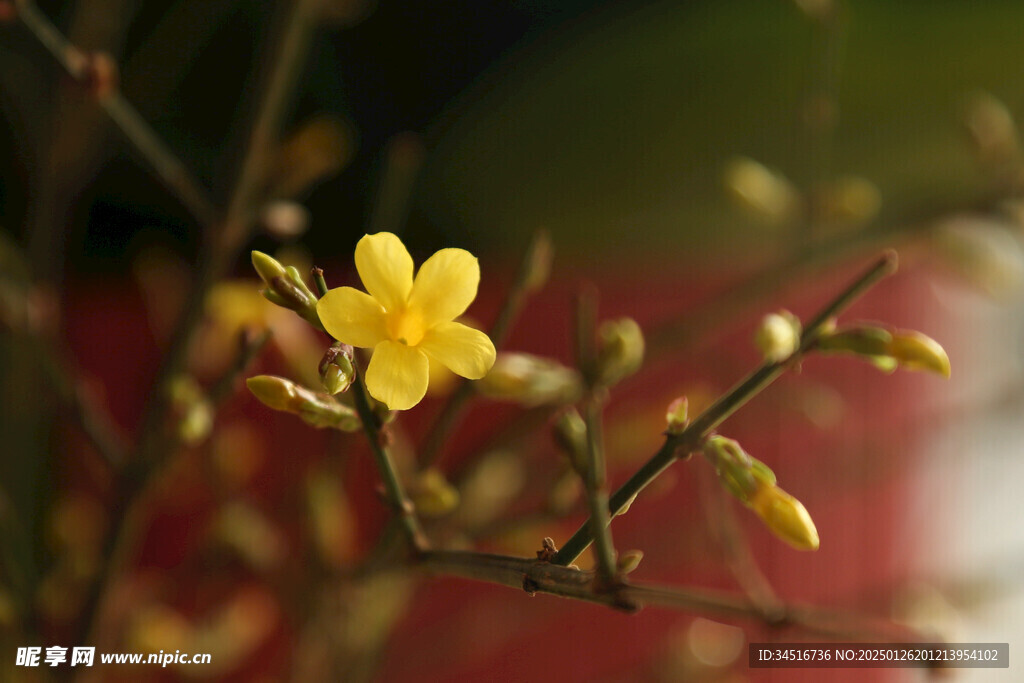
<point>286,288</point>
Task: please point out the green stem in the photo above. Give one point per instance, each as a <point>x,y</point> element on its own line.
<point>684,443</point>
<point>393,491</point>
<point>597,494</point>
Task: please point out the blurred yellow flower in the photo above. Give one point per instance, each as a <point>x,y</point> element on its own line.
<point>408,323</point>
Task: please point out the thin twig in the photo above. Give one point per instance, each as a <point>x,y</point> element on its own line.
<point>171,170</point>
<point>393,491</point>
<point>566,582</point>
<point>222,242</point>
<point>595,483</point>
<point>682,444</point>
<point>535,258</point>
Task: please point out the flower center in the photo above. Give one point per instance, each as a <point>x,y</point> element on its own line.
<point>406,326</point>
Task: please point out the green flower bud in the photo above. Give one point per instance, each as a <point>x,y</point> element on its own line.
<point>530,381</point>
<point>863,340</point>
<point>267,267</point>
<point>888,350</point>
<point>274,392</point>
<point>286,288</point>
<point>620,350</point>
<point>570,433</point>
<point>916,351</point>
<point>316,409</point>
<point>763,192</point>
<point>778,336</point>
<point>740,473</point>
<point>336,369</point>
<point>676,416</point>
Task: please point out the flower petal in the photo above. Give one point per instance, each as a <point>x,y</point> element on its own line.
<point>385,268</point>
<point>397,375</point>
<point>352,317</point>
<point>445,285</point>
<point>460,348</point>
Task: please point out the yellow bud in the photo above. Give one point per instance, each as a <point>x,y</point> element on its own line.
<point>785,516</point>
<point>316,409</point>
<point>433,495</point>
<point>916,351</point>
<point>778,336</point>
<point>275,392</point>
<point>530,380</point>
<point>620,350</point>
<point>267,267</point>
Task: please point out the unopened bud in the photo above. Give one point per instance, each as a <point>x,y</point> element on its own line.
<point>620,350</point>
<point>785,516</point>
<point>916,351</point>
<point>677,415</point>
<point>336,369</point>
<point>762,191</point>
<point>740,473</point>
<point>778,336</point>
<point>862,340</point>
<point>629,560</point>
<point>888,350</point>
<point>433,495</point>
<point>267,267</point>
<point>274,392</point>
<point>316,409</point>
<point>286,288</point>
<point>530,381</point>
<point>570,434</point>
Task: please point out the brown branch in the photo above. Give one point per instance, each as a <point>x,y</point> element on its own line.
<point>144,140</point>
<point>543,577</point>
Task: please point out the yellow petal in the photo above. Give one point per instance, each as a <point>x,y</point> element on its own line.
<point>397,375</point>
<point>445,285</point>
<point>385,268</point>
<point>463,350</point>
<point>352,317</point>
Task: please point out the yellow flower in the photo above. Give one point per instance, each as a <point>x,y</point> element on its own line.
<point>408,323</point>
